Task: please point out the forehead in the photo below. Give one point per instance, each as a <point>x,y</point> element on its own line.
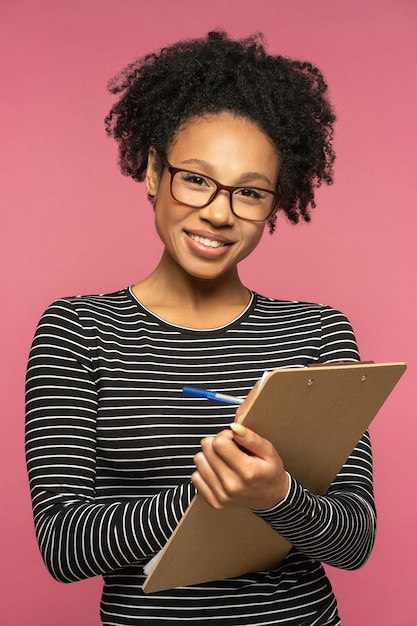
<point>225,142</point>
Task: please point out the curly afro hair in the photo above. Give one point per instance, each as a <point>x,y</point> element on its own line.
<point>286,98</point>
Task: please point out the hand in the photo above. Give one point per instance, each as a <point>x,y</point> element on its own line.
<point>238,468</point>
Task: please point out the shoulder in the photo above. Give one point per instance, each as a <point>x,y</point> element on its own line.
<point>273,306</point>
<point>330,327</point>
<point>84,307</point>
<point>74,317</point>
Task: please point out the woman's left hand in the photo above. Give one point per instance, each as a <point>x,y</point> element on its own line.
<point>239,470</point>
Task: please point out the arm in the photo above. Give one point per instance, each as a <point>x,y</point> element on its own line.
<point>337,528</point>
<point>78,536</point>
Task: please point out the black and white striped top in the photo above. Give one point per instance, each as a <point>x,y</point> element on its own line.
<point>110,440</point>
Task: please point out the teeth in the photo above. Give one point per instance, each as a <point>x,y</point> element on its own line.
<point>206,242</point>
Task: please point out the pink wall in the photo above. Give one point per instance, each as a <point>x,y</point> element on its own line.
<point>72,224</point>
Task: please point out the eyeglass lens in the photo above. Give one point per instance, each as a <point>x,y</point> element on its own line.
<point>198,191</point>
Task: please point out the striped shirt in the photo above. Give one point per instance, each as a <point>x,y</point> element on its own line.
<point>110,440</point>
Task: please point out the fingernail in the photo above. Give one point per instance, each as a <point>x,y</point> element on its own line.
<point>238,429</point>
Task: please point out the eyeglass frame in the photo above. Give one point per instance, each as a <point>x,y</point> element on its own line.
<point>219,187</point>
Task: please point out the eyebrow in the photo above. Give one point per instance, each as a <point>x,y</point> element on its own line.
<point>245,177</point>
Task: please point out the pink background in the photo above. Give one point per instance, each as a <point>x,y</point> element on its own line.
<point>70,223</point>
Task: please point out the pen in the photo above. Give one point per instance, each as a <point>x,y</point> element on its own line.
<point>211,395</point>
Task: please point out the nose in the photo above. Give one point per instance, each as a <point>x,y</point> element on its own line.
<point>219,211</point>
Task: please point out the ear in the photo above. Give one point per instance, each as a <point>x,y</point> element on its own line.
<point>153,172</point>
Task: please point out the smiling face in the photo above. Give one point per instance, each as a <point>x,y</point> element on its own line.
<point>209,242</point>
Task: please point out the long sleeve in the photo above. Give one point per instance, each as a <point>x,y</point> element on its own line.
<point>79,536</point>
<point>339,527</point>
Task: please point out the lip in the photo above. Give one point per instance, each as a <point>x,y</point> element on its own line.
<point>201,249</point>
<point>205,234</point>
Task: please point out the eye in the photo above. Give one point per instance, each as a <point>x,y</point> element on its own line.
<point>251,193</point>
<point>194,180</point>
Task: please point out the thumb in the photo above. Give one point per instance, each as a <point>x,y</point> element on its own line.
<point>238,429</point>
<point>249,440</point>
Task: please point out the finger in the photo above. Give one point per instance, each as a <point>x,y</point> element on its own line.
<point>204,490</point>
<point>221,472</point>
<point>208,480</point>
<point>207,469</point>
<point>251,441</point>
<point>224,453</point>
<point>217,456</point>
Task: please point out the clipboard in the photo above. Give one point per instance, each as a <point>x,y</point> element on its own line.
<point>314,416</point>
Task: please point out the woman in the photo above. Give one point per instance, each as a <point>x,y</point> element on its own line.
<point>225,136</point>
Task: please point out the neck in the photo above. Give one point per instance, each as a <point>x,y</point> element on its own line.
<point>189,301</point>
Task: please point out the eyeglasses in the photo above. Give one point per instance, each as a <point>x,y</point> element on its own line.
<point>197,191</point>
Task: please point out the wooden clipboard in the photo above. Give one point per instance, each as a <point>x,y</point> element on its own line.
<point>314,416</point>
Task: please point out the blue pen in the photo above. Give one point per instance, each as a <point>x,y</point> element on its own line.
<point>211,395</point>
